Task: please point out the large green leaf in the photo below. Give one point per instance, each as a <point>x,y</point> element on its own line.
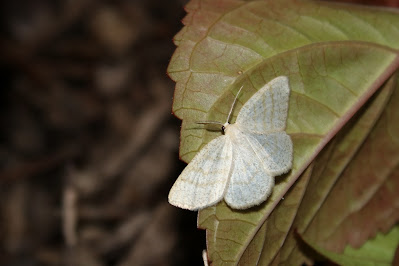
<point>337,57</point>
<point>326,201</point>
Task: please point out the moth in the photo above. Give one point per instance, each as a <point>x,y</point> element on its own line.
<point>240,165</point>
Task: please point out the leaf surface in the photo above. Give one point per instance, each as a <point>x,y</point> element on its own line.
<point>378,251</point>
<point>337,58</point>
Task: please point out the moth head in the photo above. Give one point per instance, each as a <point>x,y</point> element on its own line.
<point>224,127</point>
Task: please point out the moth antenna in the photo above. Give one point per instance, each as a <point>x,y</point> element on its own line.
<point>209,122</point>
<point>228,117</point>
<point>232,106</point>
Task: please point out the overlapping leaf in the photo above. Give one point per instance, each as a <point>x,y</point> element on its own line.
<point>336,57</point>
<point>377,251</point>
<point>338,156</point>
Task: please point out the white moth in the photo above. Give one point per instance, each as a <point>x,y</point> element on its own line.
<point>241,164</point>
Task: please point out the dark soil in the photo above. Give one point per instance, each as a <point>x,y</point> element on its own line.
<point>89,147</point>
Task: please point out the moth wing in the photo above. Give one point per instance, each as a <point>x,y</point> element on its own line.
<point>250,184</point>
<point>203,182</point>
<point>266,110</point>
<point>275,150</point>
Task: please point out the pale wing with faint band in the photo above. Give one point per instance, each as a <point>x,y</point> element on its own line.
<point>266,111</point>
<point>203,182</point>
<point>274,149</point>
<point>249,184</point>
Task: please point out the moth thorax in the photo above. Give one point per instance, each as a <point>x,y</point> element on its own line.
<point>229,129</point>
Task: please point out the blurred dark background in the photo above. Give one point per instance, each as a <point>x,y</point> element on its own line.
<point>89,147</point>
<point>88,144</point>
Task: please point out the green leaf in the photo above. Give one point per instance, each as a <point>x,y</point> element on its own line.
<point>330,209</point>
<point>377,251</point>
<point>342,118</point>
